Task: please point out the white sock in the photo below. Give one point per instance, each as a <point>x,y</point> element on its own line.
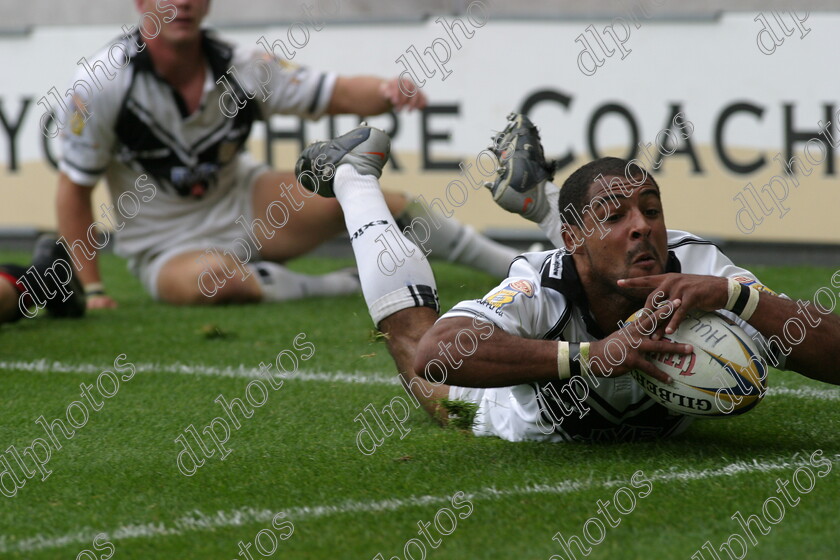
<point>448,239</point>
<point>278,283</point>
<point>393,271</point>
<point>551,224</point>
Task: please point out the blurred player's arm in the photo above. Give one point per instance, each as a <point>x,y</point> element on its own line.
<point>75,216</point>
<point>369,95</point>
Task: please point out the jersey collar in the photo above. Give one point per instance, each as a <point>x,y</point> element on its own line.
<point>559,273</point>
<point>219,55</point>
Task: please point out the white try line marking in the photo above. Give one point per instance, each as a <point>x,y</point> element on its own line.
<point>45,366</point>
<point>198,521</point>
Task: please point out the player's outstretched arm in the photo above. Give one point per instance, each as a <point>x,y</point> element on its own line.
<point>369,95</point>
<point>496,359</point>
<point>75,216</point>
<point>815,356</point>
<point>476,353</point>
<point>818,355</point>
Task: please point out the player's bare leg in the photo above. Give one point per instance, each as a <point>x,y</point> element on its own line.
<point>324,216</point>
<point>194,278</point>
<point>398,283</point>
<point>295,220</point>
<point>216,276</point>
<point>288,222</point>
<point>309,220</point>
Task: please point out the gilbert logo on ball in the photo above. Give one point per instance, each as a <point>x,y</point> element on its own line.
<point>724,376</point>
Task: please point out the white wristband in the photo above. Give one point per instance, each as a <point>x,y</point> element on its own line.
<point>584,358</point>
<point>751,306</point>
<point>563,370</point>
<point>734,290</point>
<point>572,359</point>
<point>95,289</point>
<point>742,300</point>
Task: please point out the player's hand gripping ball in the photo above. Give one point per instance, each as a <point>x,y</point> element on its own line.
<point>724,376</point>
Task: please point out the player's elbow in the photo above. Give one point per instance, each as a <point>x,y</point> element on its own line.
<point>429,349</point>
<point>425,353</point>
<point>438,357</point>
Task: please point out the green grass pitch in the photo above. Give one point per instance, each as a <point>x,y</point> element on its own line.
<point>297,455</point>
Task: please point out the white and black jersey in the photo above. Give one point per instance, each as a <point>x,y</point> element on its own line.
<point>543,299</point>
<point>182,167</point>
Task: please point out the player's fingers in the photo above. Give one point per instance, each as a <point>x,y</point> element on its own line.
<point>661,313</point>
<point>666,308</point>
<point>403,102</point>
<point>654,372</point>
<point>405,95</point>
<point>638,291</point>
<point>101,302</point>
<point>641,281</point>
<point>386,90</point>
<point>676,319</point>
<point>649,303</point>
<point>665,347</point>
<point>391,91</point>
<point>659,331</point>
<point>409,104</point>
<point>648,321</point>
<point>419,101</point>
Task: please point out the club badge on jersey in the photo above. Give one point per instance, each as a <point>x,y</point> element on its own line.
<point>507,294</point>
<point>751,283</point>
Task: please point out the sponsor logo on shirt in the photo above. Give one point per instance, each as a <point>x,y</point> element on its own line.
<point>77,123</point>
<point>747,281</point>
<point>507,294</point>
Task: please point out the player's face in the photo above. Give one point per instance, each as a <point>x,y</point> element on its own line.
<point>636,244</point>
<point>180,20</point>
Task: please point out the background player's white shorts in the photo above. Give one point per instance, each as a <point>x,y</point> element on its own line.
<point>215,227</point>
<point>510,413</point>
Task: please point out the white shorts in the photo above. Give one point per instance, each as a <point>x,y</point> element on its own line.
<point>510,413</point>
<point>513,414</point>
<point>218,230</point>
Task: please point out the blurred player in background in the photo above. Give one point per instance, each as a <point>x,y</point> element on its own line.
<point>527,354</point>
<point>198,219</point>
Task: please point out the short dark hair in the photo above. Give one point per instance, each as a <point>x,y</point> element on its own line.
<point>575,190</point>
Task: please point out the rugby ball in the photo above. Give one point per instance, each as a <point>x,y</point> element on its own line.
<point>724,376</point>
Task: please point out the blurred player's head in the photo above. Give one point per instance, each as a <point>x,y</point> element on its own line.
<point>179,20</point>
<point>613,222</point>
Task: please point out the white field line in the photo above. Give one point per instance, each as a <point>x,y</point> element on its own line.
<point>198,521</point>
<point>806,393</point>
<point>46,366</point>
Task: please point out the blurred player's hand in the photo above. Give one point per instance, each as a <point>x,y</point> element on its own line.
<point>101,302</point>
<point>398,97</point>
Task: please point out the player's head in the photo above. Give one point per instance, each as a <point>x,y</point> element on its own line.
<point>613,221</point>
<point>179,20</point>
